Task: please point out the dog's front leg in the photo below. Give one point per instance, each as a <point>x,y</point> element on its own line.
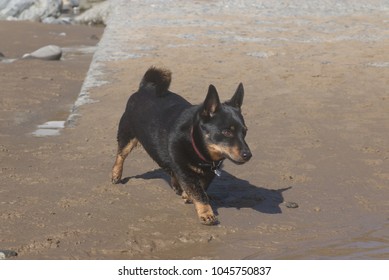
<point>205,213</point>
<point>196,194</point>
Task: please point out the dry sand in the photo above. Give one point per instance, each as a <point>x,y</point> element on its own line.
<point>317,109</point>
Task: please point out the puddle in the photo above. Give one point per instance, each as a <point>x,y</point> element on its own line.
<point>261,54</point>
<point>7,60</point>
<point>51,128</point>
<point>378,64</point>
<point>371,245</point>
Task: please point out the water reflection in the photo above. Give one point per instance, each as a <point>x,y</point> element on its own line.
<point>370,245</point>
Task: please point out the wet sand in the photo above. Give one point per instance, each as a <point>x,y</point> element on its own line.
<point>317,110</point>
<point>36,91</point>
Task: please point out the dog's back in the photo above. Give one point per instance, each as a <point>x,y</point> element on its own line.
<point>150,113</point>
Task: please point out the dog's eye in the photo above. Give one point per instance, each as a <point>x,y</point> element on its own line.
<point>227,133</point>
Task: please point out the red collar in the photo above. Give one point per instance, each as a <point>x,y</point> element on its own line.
<point>214,165</point>
<point>200,155</point>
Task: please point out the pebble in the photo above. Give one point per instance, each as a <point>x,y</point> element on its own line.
<point>290,204</point>
<point>4,254</point>
<point>50,52</point>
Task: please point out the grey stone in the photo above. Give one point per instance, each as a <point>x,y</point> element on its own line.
<point>87,4</point>
<point>29,9</point>
<point>290,204</point>
<point>13,8</point>
<point>3,4</point>
<point>50,52</point>
<point>4,254</point>
<point>61,20</point>
<point>98,14</point>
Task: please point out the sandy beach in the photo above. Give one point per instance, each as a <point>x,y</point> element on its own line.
<point>316,106</point>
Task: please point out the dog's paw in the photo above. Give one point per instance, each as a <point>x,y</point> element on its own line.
<point>116,180</point>
<point>209,219</point>
<point>205,213</point>
<point>116,175</point>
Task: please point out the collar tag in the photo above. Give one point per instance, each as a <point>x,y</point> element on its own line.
<point>217,171</point>
<point>216,168</point>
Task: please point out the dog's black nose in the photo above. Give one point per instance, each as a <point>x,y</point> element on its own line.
<point>246,155</point>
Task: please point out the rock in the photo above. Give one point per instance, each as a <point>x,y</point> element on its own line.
<point>3,4</point>
<point>42,9</point>
<point>61,20</point>
<point>87,4</point>
<point>50,52</point>
<point>49,11</point>
<point>290,204</point>
<point>98,14</point>
<point>13,8</point>
<point>4,254</point>
<point>3,59</point>
<point>35,10</point>
<point>68,5</point>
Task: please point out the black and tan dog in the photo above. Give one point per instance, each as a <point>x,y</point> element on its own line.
<point>189,141</point>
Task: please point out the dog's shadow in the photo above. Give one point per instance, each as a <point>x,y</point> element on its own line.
<point>228,191</point>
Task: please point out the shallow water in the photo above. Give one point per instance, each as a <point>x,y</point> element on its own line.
<point>50,128</point>
<point>53,128</point>
<point>373,244</point>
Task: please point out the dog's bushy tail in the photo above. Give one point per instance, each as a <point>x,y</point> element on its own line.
<point>159,78</point>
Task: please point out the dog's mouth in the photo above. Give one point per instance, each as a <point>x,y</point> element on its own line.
<point>237,162</point>
<point>241,159</point>
<point>236,155</point>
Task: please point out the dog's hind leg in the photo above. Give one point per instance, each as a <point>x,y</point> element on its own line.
<point>123,151</point>
<point>175,185</point>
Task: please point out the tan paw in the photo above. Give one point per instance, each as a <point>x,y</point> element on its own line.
<point>208,219</point>
<point>116,176</point>
<point>205,213</point>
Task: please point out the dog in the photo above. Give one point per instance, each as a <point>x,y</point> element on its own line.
<point>190,142</point>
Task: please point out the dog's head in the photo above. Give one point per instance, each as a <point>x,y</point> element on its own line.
<point>223,128</point>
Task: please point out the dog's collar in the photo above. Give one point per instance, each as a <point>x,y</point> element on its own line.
<point>199,154</point>
<point>214,165</point>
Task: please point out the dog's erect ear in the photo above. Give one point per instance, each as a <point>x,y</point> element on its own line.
<point>211,103</point>
<point>237,100</point>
